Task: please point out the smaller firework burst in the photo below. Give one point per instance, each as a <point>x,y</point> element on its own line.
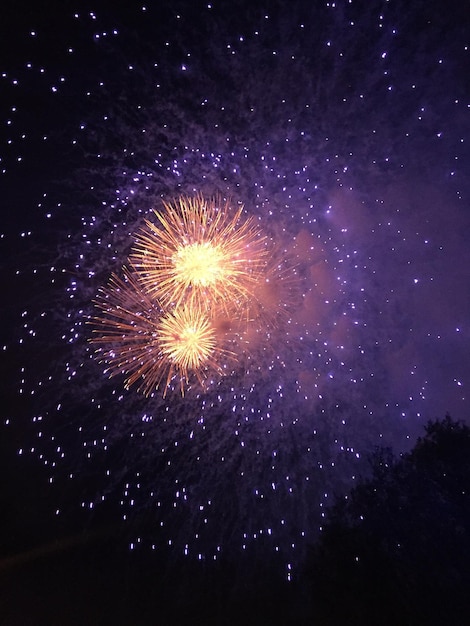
<point>150,346</point>
<point>202,252</point>
<point>189,345</point>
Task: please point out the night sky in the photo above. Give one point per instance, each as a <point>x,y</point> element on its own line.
<point>343,129</point>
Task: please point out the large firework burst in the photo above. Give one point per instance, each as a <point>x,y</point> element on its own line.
<point>201,252</point>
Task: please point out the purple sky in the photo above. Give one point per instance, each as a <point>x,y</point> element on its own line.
<point>345,132</point>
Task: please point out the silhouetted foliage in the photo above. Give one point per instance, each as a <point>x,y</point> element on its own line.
<point>396,550</point>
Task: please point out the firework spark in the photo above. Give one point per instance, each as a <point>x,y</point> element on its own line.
<point>201,252</point>
<point>126,331</point>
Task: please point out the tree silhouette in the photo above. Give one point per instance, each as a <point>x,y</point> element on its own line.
<point>396,550</point>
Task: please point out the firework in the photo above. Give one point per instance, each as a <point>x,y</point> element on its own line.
<point>188,342</point>
<point>192,281</point>
<point>201,252</point>
<point>139,339</point>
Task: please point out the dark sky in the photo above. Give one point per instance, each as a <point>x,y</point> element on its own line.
<point>343,128</point>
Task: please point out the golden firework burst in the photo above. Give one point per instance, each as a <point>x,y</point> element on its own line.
<point>188,343</point>
<point>151,346</point>
<point>187,337</point>
<point>200,251</point>
<point>198,279</point>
